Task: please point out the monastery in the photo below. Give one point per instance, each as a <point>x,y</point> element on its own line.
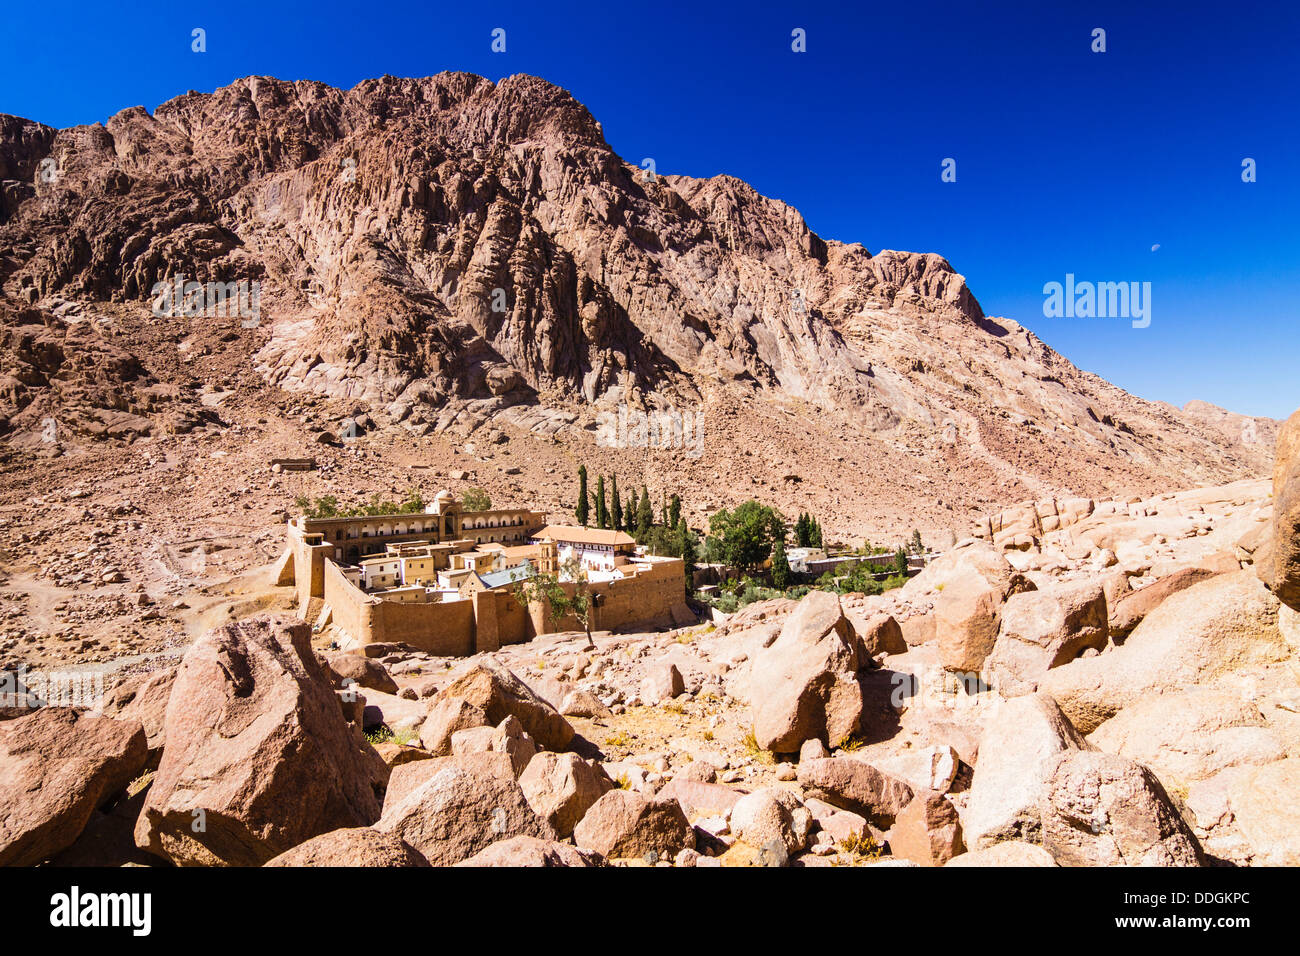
<point>446,580</point>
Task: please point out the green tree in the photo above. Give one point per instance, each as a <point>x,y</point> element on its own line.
<point>674,511</point>
<point>617,524</point>
<point>690,551</point>
<point>475,499</point>
<point>917,546</point>
<point>583,511</point>
<point>814,533</point>
<point>629,514</point>
<point>602,512</point>
<point>780,566</point>
<point>548,590</point>
<point>900,560</point>
<point>801,531</point>
<point>645,516</point>
<point>745,536</point>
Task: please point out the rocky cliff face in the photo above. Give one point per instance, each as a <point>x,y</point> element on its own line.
<point>447,251</point>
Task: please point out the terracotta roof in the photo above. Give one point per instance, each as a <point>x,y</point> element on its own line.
<point>562,532</point>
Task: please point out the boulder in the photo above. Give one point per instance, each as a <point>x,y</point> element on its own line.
<point>352,846</point>
<point>259,757</point>
<point>144,698</point>
<point>1104,810</point>
<point>857,786</point>
<point>446,716</point>
<point>362,671</point>
<point>918,629</point>
<point>109,837</point>
<point>1189,734</point>
<point>532,851</point>
<point>626,824</point>
<point>508,738</point>
<point>759,818</point>
<point>1222,625</point>
<point>880,634</point>
<point>500,694</point>
<point>929,768</point>
<point>804,684</point>
<point>928,831</point>
<point>698,798</point>
<point>968,605</point>
<point>57,766</point>
<point>1283,560</point>
<point>664,682</point>
<point>1008,853</point>
<point>1017,754</point>
<point>1130,609</point>
<point>561,788</point>
<point>1043,629</point>
<point>456,813</point>
<point>813,749</point>
<point>394,755</point>
<point>411,776</point>
<point>1266,806</point>
<point>388,710</point>
<point>580,703</point>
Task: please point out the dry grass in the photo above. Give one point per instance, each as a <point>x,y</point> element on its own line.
<point>754,751</point>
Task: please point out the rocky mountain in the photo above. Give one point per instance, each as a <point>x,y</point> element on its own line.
<point>450,254</point>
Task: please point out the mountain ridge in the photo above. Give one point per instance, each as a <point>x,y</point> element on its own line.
<point>384,223</point>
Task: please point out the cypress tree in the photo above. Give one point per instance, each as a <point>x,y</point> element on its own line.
<point>617,523</point>
<point>780,566</point>
<point>602,513</point>
<point>583,511</point>
<point>675,511</point>
<point>645,515</point>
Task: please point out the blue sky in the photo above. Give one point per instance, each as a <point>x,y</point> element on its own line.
<point>1068,161</point>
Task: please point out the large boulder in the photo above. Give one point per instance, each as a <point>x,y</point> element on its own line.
<point>1220,626</point>
<point>456,813</point>
<point>531,851</point>
<point>928,831</point>
<point>970,589</point>
<point>880,634</point>
<point>144,698</point>
<point>1266,807</point>
<point>700,798</point>
<point>1280,567</point>
<point>1129,611</point>
<point>353,846</point>
<point>447,716</point>
<point>1017,754</point>
<point>1190,733</point>
<point>1104,810</point>
<point>561,788</point>
<point>626,824</point>
<point>57,766</point>
<point>855,785</point>
<point>1043,629</point>
<point>259,757</point>
<point>804,684</point>
<point>362,671</point>
<point>500,694</point>
<point>508,738</point>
